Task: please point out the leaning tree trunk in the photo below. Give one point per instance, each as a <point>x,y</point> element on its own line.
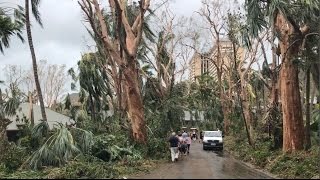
<point>34,61</point>
<point>293,130</point>
<point>307,129</point>
<point>247,110</point>
<point>135,104</point>
<point>239,90</point>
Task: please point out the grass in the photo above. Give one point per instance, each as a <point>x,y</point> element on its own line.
<point>300,164</point>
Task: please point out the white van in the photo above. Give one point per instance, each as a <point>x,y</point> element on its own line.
<point>212,139</point>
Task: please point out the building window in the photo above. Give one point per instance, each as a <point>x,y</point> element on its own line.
<point>204,65</point>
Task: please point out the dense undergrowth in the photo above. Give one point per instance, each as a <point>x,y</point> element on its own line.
<point>107,156</point>
<point>304,164</point>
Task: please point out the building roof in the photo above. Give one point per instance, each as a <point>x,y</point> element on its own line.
<point>53,117</point>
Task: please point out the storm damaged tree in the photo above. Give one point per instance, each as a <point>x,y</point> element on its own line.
<point>213,14</point>
<point>121,46</point>
<point>291,21</point>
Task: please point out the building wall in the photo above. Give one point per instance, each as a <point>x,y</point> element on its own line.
<point>226,50</point>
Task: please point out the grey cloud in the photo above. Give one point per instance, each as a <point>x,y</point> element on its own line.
<point>64,37</point>
<point>61,41</point>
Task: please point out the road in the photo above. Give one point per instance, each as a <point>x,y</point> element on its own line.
<point>200,164</point>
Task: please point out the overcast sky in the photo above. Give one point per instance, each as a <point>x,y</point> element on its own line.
<point>64,37</point>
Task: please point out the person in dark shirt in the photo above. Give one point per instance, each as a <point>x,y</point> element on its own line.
<point>174,142</point>
<point>201,136</point>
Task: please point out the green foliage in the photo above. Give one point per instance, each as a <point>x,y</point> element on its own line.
<point>38,134</point>
<point>297,165</point>
<point>84,139</point>
<point>40,130</point>
<point>61,147</point>
<point>164,114</point>
<point>237,120</point>
<point>24,175</point>
<point>10,26</point>
<point>315,118</point>
<point>262,153</point>
<point>14,158</point>
<point>157,148</point>
<point>84,167</point>
<point>112,148</point>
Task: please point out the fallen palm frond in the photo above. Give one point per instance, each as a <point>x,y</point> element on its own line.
<point>61,147</point>
<point>40,130</point>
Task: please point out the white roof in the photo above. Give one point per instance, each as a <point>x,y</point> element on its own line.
<point>53,117</point>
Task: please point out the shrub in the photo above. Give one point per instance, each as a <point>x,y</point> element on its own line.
<point>296,165</point>
<point>14,158</point>
<point>157,148</point>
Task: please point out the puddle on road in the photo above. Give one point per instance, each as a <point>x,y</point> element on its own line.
<point>239,170</point>
<point>232,168</point>
<point>219,153</point>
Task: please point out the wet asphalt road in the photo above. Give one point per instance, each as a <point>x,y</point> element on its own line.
<point>200,164</point>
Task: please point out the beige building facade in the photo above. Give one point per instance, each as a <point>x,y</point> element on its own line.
<point>206,63</point>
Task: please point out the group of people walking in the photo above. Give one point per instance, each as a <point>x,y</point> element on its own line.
<point>180,144</point>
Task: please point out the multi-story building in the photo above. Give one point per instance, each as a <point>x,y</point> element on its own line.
<point>205,63</point>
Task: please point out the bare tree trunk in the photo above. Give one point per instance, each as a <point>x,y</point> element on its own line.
<point>274,121</point>
<point>246,110</point>
<point>31,117</point>
<point>293,134</point>
<point>226,121</point>
<point>244,118</point>
<point>128,62</point>
<point>34,61</point>
<point>293,129</point>
<point>135,104</point>
<point>307,129</point>
<point>225,110</point>
<point>238,90</point>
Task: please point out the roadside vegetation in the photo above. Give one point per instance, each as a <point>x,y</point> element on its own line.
<point>295,165</point>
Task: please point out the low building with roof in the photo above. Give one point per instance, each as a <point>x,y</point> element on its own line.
<point>21,118</point>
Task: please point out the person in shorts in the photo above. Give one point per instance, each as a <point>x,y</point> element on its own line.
<point>174,143</point>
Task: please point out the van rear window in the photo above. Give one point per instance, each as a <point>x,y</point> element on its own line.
<point>212,134</point>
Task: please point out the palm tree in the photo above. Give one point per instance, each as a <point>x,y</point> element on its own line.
<point>292,22</point>
<point>10,26</point>
<point>35,12</point>
<point>94,81</point>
